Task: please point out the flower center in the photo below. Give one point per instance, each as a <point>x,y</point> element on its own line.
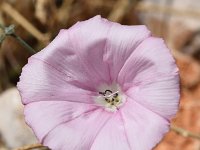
<point>110,98</point>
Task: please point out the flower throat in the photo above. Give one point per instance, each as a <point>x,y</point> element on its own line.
<point>110,98</point>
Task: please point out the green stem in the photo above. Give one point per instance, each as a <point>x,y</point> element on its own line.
<point>2,27</point>
<point>21,41</point>
<point>9,31</point>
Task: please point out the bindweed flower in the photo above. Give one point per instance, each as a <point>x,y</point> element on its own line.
<point>101,86</point>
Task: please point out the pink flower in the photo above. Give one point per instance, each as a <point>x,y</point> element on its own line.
<point>101,86</point>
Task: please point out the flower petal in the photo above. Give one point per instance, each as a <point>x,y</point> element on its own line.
<point>43,116</point>
<point>151,77</point>
<point>160,95</point>
<point>77,134</point>
<point>42,82</point>
<point>144,128</point>
<point>151,59</point>
<point>93,51</point>
<point>122,40</point>
<point>112,136</point>
<point>78,53</point>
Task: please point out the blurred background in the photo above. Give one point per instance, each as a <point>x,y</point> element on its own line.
<point>38,21</point>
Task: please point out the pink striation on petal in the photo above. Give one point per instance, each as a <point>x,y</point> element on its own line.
<point>112,136</point>
<point>43,116</point>
<point>159,95</point>
<point>79,133</point>
<point>144,129</point>
<point>78,53</point>
<point>41,82</point>
<point>121,42</point>
<point>151,59</point>
<point>150,77</point>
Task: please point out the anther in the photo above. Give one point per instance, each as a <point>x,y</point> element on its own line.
<point>115,96</point>
<point>107,100</point>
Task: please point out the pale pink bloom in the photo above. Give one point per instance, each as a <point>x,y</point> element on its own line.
<point>101,86</point>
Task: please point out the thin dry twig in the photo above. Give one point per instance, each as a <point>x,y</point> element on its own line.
<point>33,146</point>
<point>12,12</point>
<point>119,10</point>
<point>184,132</point>
<point>141,7</point>
<point>64,12</point>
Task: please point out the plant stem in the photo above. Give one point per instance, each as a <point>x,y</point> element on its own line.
<point>33,146</point>
<point>184,132</point>
<point>9,31</point>
<point>22,42</point>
